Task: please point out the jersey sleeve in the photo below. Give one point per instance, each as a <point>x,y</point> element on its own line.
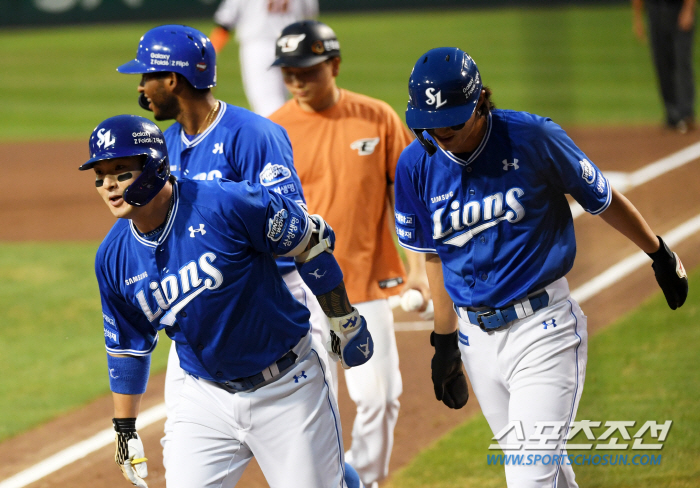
<point>264,155</point>
<point>397,138</point>
<point>273,223</point>
<point>413,226</point>
<point>570,170</point>
<point>126,330</point>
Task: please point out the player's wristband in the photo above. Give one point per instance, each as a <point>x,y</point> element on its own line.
<point>128,375</point>
<point>322,274</point>
<point>124,426</point>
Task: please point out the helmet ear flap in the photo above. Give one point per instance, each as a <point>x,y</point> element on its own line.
<point>429,146</point>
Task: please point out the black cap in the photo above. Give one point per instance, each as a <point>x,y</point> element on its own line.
<point>306,43</point>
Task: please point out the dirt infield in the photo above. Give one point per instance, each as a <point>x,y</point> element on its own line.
<point>44,197</point>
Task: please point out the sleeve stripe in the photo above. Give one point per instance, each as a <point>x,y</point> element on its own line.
<point>134,352</point>
<point>418,249</point>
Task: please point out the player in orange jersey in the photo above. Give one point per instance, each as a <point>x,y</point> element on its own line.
<point>346,147</point>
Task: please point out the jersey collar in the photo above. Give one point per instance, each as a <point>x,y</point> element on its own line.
<point>201,136</point>
<point>476,152</point>
<point>168,224</point>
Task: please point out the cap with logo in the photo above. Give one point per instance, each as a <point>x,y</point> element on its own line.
<point>305,43</point>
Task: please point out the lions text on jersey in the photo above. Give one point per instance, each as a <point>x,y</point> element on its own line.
<point>498,217</point>
<point>210,280</point>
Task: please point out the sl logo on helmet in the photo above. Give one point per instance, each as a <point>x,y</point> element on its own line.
<point>434,99</point>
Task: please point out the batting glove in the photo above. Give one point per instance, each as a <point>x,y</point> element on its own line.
<point>129,455</point>
<point>670,275</point>
<point>351,343</point>
<point>449,381</point>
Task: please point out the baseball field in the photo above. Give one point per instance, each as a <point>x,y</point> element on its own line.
<point>582,67</point>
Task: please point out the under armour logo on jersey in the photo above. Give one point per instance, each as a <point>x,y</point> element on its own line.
<point>193,230</point>
<point>105,139</point>
<point>218,148</point>
<point>297,378</point>
<point>507,165</point>
<point>290,43</point>
<point>549,323</point>
<point>350,323</point>
<point>365,146</point>
<point>318,276</point>
<point>111,373</point>
<point>434,99</point>
<point>364,348</point>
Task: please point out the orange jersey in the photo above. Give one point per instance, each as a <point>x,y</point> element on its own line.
<point>346,160</point>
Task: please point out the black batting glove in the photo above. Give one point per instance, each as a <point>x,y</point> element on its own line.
<point>449,381</point>
<point>670,275</point>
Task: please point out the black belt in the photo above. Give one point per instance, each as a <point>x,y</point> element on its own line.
<point>496,318</point>
<point>250,382</point>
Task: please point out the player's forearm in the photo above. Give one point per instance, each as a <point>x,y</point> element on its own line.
<point>445,317</point>
<point>626,219</point>
<point>126,406</point>
<point>335,303</point>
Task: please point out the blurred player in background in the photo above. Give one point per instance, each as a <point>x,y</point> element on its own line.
<point>258,23</point>
<point>671,32</point>
<point>212,139</point>
<point>346,147</point>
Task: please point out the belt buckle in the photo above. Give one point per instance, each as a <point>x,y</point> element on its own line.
<point>488,313</point>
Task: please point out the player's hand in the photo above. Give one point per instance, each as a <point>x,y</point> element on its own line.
<point>129,454</point>
<point>670,275</point>
<point>350,343</point>
<point>449,381</point>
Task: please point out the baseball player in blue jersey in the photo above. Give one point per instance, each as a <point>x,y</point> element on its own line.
<point>482,193</point>
<point>197,259</point>
<point>212,139</point>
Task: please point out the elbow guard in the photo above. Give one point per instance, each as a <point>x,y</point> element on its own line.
<point>317,266</point>
<point>128,375</point>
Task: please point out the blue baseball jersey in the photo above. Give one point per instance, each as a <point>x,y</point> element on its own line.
<point>239,146</point>
<point>498,218</point>
<point>210,280</point>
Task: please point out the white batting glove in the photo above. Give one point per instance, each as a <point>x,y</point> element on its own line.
<point>350,343</point>
<point>129,454</point>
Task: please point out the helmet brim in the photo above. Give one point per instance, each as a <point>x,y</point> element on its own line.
<point>299,62</point>
<point>106,156</point>
<point>434,119</point>
<point>135,67</point>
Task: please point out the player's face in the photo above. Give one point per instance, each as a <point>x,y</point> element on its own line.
<point>161,100</point>
<point>112,177</point>
<point>461,138</point>
<point>313,85</point>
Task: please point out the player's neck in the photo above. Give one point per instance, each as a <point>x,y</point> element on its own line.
<point>475,137</point>
<point>324,102</point>
<point>153,214</point>
<point>196,115</point>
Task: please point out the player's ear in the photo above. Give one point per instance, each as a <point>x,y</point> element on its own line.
<point>335,66</point>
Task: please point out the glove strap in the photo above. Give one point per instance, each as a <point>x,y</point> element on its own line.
<point>125,426</point>
<point>444,343</point>
<point>662,252</point>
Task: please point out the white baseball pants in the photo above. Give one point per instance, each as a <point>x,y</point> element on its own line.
<point>532,371</point>
<point>263,85</point>
<point>375,388</point>
<point>290,425</point>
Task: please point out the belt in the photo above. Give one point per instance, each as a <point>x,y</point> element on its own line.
<point>495,318</point>
<point>272,371</point>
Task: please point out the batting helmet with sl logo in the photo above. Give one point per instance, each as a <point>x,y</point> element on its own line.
<point>306,43</point>
<point>443,91</point>
<point>130,135</point>
<point>177,48</point>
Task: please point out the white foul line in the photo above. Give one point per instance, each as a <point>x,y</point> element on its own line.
<point>580,294</point>
<point>627,181</point>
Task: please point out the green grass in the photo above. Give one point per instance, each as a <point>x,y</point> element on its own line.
<point>53,356</point>
<point>577,65</point>
<point>644,367</point>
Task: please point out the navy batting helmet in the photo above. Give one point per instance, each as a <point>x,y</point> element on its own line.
<point>131,135</point>
<point>177,48</point>
<point>443,91</point>
<point>306,43</point>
